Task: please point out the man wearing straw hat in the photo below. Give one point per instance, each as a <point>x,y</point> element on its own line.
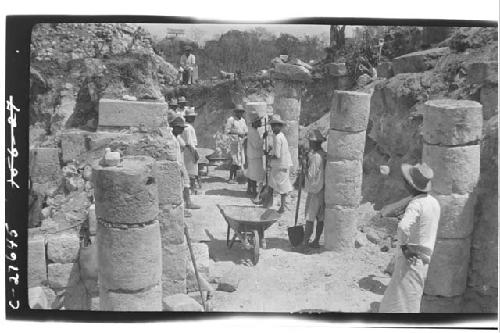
<point>255,152</point>
<point>315,188</point>
<point>417,231</point>
<point>281,161</point>
<point>237,129</point>
<point>181,110</point>
<point>191,156</point>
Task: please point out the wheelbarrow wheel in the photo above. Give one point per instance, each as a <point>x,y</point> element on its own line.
<point>256,245</point>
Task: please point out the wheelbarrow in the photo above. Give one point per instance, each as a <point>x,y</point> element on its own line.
<point>248,224</point>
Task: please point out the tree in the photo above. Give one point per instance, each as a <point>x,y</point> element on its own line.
<point>337,37</point>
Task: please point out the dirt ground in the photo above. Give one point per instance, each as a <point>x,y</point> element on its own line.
<point>285,279</point>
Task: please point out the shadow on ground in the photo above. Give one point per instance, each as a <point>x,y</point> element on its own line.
<point>370,284</point>
<point>228,192</point>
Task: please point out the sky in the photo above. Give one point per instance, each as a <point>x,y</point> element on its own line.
<point>203,32</point>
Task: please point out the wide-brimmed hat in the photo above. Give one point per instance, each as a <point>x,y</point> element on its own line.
<point>188,47</point>
<point>276,119</point>
<point>239,107</point>
<point>253,116</point>
<point>315,135</point>
<point>173,102</point>
<point>419,176</point>
<point>190,112</point>
<point>178,122</point>
<point>182,99</point>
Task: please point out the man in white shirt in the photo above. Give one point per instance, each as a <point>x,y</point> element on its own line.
<point>281,161</point>
<point>237,129</point>
<point>190,153</point>
<point>417,233</point>
<point>188,64</point>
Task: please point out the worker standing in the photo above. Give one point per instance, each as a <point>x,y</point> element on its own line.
<point>281,161</point>
<point>181,109</point>
<point>417,233</point>
<point>315,188</point>
<point>237,129</point>
<point>178,127</point>
<point>191,156</point>
<point>256,173</point>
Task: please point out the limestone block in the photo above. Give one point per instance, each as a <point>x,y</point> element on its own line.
<point>345,145</point>
<point>181,302</point>
<point>287,108</point>
<point>171,224</point>
<point>74,143</point>
<point>288,89</point>
<point>342,82</point>
<point>488,97</point>
<point>343,181</point>
<point>92,220</point>
<point>336,69</point>
<point>452,122</point>
<point>340,228</point>
<point>41,298</point>
<point>350,111</point>
<point>420,61</point>
<point>126,193</point>
<point>483,72</point>
<point>201,254</point>
<point>119,113</point>
<point>168,178</point>
<point>63,275</point>
<point>457,215</point>
<point>259,107</point>
<point>447,273</point>
<point>291,72</point>
<point>44,165</point>
<point>174,261</point>
<point>129,259</point>
<point>144,300</point>
<point>384,70</point>
<point>37,267</point>
<point>439,304</point>
<point>63,248</point>
<point>456,169</point>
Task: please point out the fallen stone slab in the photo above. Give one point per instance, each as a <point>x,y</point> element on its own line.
<point>37,266</point>
<point>144,300</point>
<point>181,302</point>
<point>452,122</point>
<point>63,248</point>
<point>284,71</point>
<point>120,113</point>
<point>483,72</point>
<point>336,69</point>
<point>417,62</point>
<point>350,111</point>
<point>345,145</point>
<point>44,165</point>
<point>41,298</point>
<point>447,275</point>
<point>129,259</point>
<point>228,283</point>
<point>456,169</point>
<point>343,180</point>
<point>384,70</point>
<point>457,215</point>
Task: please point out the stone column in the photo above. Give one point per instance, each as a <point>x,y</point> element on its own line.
<point>259,107</point>
<point>451,131</point>
<point>128,236</point>
<point>344,169</point>
<point>287,99</point>
<point>173,245</point>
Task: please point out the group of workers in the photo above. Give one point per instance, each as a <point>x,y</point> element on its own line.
<point>251,148</point>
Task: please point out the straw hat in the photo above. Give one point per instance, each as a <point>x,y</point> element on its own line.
<point>182,99</point>
<point>239,107</point>
<point>315,135</point>
<point>276,119</point>
<point>190,112</point>
<point>419,176</point>
<point>173,102</point>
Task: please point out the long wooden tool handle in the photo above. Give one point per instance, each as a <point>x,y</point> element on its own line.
<point>298,196</point>
<point>186,233</point>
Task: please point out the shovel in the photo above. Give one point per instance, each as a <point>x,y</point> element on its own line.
<point>266,192</point>
<point>296,233</point>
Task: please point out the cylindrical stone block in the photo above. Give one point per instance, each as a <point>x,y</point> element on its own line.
<point>452,122</point>
<point>171,224</point>
<point>456,169</point>
<point>174,261</point>
<point>343,181</point>
<point>345,145</point>
<point>448,269</point>
<point>169,182</point>
<point>350,111</point>
<point>259,107</point>
<point>126,193</point>
<point>287,108</point>
<point>129,259</point>
<point>457,215</point>
<point>438,304</point>
<point>287,89</point>
<point>144,300</point>
<point>340,227</point>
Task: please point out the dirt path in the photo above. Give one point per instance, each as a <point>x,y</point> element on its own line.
<point>284,280</point>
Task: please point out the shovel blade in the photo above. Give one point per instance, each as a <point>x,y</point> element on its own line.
<point>296,235</point>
